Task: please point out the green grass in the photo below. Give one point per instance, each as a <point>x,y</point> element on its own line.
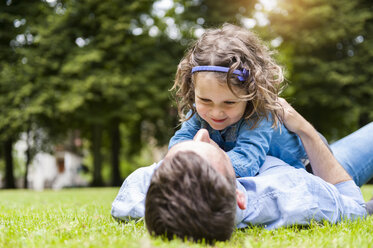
<point>81,218</point>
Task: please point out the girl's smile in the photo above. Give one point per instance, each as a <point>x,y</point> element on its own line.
<point>216,103</point>
<point>222,120</point>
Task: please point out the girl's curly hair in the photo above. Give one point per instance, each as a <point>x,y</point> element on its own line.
<point>237,48</point>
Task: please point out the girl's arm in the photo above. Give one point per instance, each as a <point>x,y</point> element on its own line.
<point>187,131</point>
<point>252,146</point>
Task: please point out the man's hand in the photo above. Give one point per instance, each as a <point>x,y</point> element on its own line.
<point>292,119</point>
<point>322,160</point>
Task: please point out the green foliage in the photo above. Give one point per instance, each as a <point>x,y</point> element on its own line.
<point>71,65</point>
<point>329,46</point>
<point>82,65</point>
<point>81,218</point>
<point>14,86</point>
<point>75,64</point>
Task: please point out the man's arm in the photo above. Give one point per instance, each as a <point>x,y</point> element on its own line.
<point>322,160</point>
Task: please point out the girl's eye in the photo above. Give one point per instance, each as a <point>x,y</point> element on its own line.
<point>205,100</point>
<point>230,103</point>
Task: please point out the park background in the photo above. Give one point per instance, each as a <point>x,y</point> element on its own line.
<point>93,77</point>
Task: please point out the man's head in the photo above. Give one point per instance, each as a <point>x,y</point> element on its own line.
<point>193,193</point>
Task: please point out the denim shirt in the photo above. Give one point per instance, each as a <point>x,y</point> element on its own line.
<point>280,195</point>
<point>247,148</point>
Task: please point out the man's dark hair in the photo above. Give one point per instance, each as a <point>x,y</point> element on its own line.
<point>189,198</point>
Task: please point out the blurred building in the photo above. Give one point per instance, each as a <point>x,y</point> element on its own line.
<point>56,171</point>
<point>61,169</point>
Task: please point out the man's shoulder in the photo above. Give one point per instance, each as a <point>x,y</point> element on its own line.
<point>271,162</point>
<point>140,177</point>
<point>129,203</point>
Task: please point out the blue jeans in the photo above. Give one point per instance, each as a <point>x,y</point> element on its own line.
<point>355,153</point>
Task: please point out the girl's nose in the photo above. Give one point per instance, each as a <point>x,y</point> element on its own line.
<point>216,112</point>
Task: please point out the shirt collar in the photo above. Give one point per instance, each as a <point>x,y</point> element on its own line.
<point>240,214</point>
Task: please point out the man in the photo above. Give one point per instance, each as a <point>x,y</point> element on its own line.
<point>194,193</point>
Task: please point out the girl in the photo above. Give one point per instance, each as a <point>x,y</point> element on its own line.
<point>228,84</point>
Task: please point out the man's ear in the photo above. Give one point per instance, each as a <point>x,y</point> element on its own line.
<point>241,199</point>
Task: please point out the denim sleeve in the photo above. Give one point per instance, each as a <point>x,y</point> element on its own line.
<point>252,146</point>
<point>187,131</point>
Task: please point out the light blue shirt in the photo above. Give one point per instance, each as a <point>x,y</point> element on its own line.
<point>280,195</point>
<point>247,148</point>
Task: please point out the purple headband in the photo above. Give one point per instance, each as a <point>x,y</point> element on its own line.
<point>242,74</point>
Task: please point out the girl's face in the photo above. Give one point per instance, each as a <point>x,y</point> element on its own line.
<point>215,103</point>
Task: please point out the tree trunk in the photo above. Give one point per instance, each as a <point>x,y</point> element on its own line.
<point>97,158</point>
<point>115,151</point>
<point>28,159</point>
<point>9,176</point>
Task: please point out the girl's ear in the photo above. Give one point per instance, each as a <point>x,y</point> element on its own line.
<point>241,199</point>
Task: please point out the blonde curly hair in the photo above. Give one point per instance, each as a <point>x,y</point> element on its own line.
<point>236,48</point>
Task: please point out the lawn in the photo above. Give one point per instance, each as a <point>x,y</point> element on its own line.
<point>81,218</point>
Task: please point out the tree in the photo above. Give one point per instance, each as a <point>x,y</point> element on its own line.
<point>102,72</point>
<point>14,81</point>
<point>96,65</point>
<point>329,45</point>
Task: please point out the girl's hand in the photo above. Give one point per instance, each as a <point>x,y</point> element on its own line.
<point>292,119</point>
